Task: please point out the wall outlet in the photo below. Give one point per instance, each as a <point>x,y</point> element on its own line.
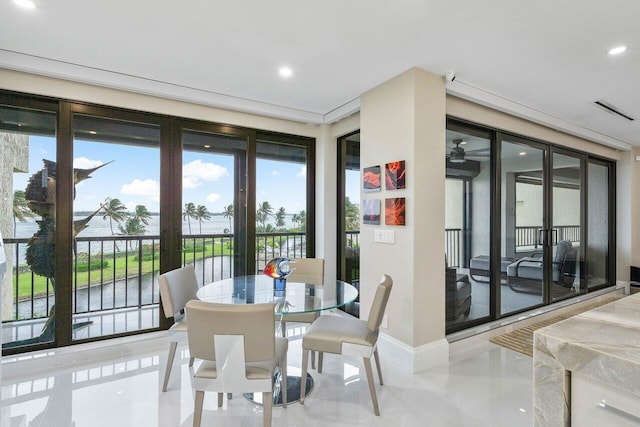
<point>385,322</point>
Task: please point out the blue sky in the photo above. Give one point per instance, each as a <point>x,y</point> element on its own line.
<point>134,177</point>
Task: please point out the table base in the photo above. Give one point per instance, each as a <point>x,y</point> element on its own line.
<point>293,390</point>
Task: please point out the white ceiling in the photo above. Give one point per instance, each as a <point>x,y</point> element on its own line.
<point>546,58</point>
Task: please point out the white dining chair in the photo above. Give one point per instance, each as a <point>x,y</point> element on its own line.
<point>177,287</point>
<point>349,336</point>
<point>239,352</point>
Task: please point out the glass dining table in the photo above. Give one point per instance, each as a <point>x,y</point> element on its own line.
<point>295,298</point>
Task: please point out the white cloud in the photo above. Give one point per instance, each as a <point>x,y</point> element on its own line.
<point>193,173</point>
<point>147,188</point>
<point>85,163</point>
<point>190,182</point>
<point>303,172</point>
<point>213,197</point>
<point>275,173</point>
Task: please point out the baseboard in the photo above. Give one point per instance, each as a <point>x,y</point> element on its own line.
<point>415,359</point>
<point>59,358</point>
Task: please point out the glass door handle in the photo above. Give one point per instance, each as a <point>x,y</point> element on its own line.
<point>542,236</point>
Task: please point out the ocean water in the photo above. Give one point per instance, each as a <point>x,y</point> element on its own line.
<point>99,227</point>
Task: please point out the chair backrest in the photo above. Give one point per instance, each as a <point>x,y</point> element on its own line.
<point>177,287</point>
<point>560,251</point>
<point>256,322</point>
<point>379,303</point>
<point>307,270</point>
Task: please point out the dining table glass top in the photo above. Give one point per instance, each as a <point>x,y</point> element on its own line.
<point>296,298</point>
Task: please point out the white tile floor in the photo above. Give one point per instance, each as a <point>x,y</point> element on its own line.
<point>120,386</point>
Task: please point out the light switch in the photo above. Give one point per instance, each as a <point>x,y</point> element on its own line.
<point>384,236</point>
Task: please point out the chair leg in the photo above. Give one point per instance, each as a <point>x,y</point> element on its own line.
<point>313,359</point>
<point>320,358</point>
<point>229,396</point>
<point>197,411</point>
<point>375,354</point>
<point>167,372</point>
<point>283,384</point>
<point>191,360</point>
<point>267,403</point>
<point>283,329</point>
<point>372,387</point>
<point>303,374</point>
<point>220,396</point>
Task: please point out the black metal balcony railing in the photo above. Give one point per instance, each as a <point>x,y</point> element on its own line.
<point>526,238</point>
<point>117,272</point>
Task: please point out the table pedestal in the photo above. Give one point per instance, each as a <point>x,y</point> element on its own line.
<point>293,390</point>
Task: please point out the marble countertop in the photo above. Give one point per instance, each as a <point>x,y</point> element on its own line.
<point>602,344</point>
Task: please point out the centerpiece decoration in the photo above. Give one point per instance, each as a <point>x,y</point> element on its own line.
<point>279,269</point>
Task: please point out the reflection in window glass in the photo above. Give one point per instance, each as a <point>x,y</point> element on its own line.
<point>467,225</point>
<point>598,225</point>
<point>28,225</point>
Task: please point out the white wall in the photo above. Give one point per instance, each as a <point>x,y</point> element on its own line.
<point>404,119</point>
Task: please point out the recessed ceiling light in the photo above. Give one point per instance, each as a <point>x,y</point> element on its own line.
<point>27,4</point>
<point>463,142</point>
<point>523,153</point>
<point>285,72</point>
<point>617,50</point>
<point>206,146</point>
<point>93,132</point>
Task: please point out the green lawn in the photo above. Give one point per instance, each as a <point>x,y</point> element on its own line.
<point>123,266</point>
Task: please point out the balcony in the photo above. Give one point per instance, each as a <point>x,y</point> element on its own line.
<point>115,279</point>
<point>526,240</point>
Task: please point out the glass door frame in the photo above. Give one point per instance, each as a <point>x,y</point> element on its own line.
<point>116,114</point>
<point>580,258</point>
<point>496,243</point>
<point>243,202</point>
<point>60,275</point>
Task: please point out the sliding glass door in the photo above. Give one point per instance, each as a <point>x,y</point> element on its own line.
<point>214,197</point>
<point>99,201</point>
<point>348,238</point>
<point>116,223</point>
<point>28,202</point>
<point>600,257</point>
<point>523,224</point>
<point>566,228</point>
<point>527,224</point>
<point>468,186</point>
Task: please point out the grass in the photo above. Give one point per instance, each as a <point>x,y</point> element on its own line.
<point>119,267</point>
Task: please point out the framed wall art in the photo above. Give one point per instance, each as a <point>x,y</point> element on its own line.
<point>394,211</point>
<point>371,179</point>
<point>394,174</point>
<point>371,210</point>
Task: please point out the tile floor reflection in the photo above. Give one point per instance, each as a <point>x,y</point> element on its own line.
<point>121,386</point>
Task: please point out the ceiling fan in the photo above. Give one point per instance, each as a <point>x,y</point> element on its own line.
<point>459,155</point>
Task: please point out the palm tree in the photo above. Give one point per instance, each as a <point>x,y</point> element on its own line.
<point>295,219</point>
<point>352,216</point>
<point>228,214</point>
<point>115,211</point>
<point>280,218</point>
<point>188,213</point>
<point>21,210</point>
<point>132,226</point>
<point>142,214</point>
<point>263,213</point>
<point>302,218</point>
<point>202,213</point>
